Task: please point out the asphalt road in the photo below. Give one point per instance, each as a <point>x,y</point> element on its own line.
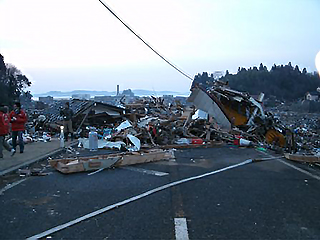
<point>263,200</point>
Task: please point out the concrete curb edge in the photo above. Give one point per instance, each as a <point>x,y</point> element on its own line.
<point>38,159</point>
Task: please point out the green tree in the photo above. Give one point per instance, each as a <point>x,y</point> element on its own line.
<point>304,71</point>
<point>282,81</point>
<point>3,86</point>
<point>12,82</point>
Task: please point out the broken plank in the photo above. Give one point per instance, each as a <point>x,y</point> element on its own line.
<point>82,164</point>
<point>182,146</point>
<point>144,158</point>
<point>302,158</point>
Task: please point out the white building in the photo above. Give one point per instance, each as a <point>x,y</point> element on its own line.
<point>81,96</point>
<point>312,96</point>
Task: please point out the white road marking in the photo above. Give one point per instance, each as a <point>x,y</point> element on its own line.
<point>151,172</point>
<point>99,170</point>
<point>11,185</point>
<point>145,194</point>
<point>300,170</point>
<point>181,229</point>
<point>294,167</point>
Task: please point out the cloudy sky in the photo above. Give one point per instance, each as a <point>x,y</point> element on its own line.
<point>77,44</point>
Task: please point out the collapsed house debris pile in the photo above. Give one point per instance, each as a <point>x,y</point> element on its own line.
<point>239,113</point>
<point>44,124</point>
<point>279,129</point>
<point>30,137</point>
<point>216,115</point>
<point>305,127</point>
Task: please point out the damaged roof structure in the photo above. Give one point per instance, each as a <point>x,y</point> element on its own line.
<point>96,113</point>
<point>232,109</point>
<point>86,113</point>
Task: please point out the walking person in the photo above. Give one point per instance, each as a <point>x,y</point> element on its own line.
<point>18,119</point>
<point>67,115</point>
<point>4,130</point>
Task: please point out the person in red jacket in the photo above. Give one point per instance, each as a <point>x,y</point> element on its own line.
<point>18,119</point>
<point>4,130</point>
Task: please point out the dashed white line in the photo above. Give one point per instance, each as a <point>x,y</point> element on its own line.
<point>294,167</point>
<point>181,229</point>
<point>300,170</point>
<point>151,172</point>
<point>135,198</point>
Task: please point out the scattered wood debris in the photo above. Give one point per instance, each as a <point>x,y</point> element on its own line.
<point>303,158</point>
<point>81,164</point>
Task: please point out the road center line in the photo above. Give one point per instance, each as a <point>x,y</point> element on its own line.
<point>135,198</point>
<point>294,167</point>
<point>99,170</point>
<point>181,229</point>
<point>151,172</point>
<point>11,185</point>
<point>300,170</point>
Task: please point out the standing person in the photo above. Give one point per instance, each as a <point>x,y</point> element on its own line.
<point>67,115</point>
<point>18,119</point>
<point>4,130</point>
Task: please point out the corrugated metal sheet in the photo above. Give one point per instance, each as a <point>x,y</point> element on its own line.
<point>202,101</point>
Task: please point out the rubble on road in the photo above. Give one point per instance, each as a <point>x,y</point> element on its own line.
<point>214,115</point>
<point>303,158</point>
<point>35,171</point>
<point>81,164</point>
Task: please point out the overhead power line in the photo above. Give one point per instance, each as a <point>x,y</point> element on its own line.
<point>148,45</point>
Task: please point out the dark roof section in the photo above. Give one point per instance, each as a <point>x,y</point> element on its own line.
<point>80,107</point>
<point>96,105</point>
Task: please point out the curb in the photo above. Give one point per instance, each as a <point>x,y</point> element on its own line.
<point>38,159</point>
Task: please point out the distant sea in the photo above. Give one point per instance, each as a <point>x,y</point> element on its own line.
<point>138,92</point>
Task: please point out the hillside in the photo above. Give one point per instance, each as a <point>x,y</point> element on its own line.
<point>283,82</point>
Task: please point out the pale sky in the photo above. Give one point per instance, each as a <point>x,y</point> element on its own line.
<point>65,45</point>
